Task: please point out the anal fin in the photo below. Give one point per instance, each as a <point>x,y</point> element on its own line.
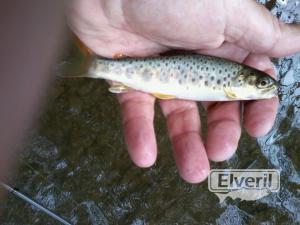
<point>163,96</point>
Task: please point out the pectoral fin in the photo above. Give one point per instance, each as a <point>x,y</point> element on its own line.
<point>118,88</point>
<point>229,93</point>
<point>163,96</point>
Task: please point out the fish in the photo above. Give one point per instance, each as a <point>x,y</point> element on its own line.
<point>190,77</point>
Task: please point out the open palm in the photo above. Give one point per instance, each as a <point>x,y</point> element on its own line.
<point>243,31</point>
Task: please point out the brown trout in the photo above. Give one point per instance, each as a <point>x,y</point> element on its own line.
<point>192,77</point>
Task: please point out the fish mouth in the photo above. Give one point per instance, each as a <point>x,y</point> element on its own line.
<point>271,91</point>
<point>276,84</point>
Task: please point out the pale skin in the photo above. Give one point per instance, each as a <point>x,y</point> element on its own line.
<point>243,31</point>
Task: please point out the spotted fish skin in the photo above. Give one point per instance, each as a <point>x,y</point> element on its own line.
<point>193,77</point>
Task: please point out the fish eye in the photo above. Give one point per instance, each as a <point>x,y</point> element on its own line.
<point>264,82</point>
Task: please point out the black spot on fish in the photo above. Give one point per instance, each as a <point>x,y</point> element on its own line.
<point>146,74</point>
<point>201,77</point>
<point>206,68</point>
<point>193,80</point>
<point>206,83</point>
<point>218,81</point>
<point>212,78</point>
<point>220,71</point>
<point>164,78</point>
<point>129,72</point>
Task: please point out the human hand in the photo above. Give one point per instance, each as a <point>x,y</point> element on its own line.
<point>243,31</point>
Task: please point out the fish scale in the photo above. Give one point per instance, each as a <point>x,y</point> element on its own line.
<point>192,77</point>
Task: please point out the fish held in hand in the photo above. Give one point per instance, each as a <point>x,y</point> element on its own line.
<point>191,77</point>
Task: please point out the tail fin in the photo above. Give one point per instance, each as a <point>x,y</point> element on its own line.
<point>74,69</point>
<point>77,76</point>
<point>77,61</point>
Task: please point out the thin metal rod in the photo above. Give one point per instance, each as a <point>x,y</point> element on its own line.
<point>31,202</point>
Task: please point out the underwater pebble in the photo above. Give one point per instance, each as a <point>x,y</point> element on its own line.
<point>288,79</point>
<point>61,165</point>
<point>282,2</point>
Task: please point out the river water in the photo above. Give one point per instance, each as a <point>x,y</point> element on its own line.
<point>76,162</point>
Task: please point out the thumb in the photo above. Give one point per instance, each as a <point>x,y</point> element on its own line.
<point>208,24</point>
<point>252,27</point>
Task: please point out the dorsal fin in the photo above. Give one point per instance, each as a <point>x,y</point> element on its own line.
<point>83,48</point>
